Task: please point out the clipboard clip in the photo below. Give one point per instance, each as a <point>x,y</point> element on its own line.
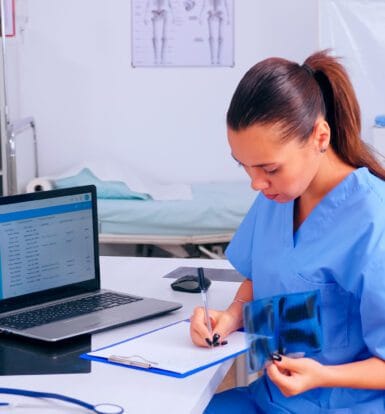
<point>132,360</point>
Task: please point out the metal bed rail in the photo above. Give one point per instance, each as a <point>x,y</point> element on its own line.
<point>159,239</point>
<point>209,245</point>
<point>14,129</point>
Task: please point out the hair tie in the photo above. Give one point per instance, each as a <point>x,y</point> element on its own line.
<point>308,69</point>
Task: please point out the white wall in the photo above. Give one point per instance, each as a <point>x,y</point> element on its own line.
<point>355,30</point>
<point>71,70</point>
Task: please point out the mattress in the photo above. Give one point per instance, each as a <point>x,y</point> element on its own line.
<point>215,211</point>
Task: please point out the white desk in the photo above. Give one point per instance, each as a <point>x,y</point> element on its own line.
<point>136,391</point>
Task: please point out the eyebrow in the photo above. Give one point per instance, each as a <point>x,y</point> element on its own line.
<point>256,165</point>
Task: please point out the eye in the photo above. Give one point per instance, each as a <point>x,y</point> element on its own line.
<point>271,171</point>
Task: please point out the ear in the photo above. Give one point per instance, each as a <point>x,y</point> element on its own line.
<point>321,135</point>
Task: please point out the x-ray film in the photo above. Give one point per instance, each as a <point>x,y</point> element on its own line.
<point>287,324</point>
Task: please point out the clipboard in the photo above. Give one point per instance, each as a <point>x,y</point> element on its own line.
<point>168,351</point>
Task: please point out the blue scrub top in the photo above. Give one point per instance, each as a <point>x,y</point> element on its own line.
<point>340,250</point>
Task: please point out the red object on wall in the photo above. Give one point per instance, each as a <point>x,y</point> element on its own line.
<point>9,18</point>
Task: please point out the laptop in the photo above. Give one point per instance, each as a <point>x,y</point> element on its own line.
<point>49,269</point>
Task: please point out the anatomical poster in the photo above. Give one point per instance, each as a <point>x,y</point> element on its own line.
<point>182,33</point>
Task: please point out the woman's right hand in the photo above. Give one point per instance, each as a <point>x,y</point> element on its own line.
<point>222,323</point>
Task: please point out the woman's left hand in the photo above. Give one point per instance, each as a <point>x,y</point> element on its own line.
<point>296,375</point>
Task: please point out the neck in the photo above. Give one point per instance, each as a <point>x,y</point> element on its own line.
<point>331,172</point>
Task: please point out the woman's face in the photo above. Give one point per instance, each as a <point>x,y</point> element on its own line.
<point>281,171</point>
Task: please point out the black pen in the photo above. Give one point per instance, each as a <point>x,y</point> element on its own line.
<point>203,289</point>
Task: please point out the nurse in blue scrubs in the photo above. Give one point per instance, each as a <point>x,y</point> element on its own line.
<point>317,224</point>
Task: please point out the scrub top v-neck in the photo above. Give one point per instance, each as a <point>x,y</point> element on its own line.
<point>339,250</point>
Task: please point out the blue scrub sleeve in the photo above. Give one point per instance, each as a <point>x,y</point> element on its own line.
<point>373,304</point>
<point>239,251</point>
<point>364,277</point>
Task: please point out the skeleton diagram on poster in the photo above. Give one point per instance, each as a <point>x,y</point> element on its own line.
<point>182,33</point>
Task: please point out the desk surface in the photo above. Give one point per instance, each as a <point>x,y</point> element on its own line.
<point>136,391</point>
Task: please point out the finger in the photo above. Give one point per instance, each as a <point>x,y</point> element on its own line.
<point>201,323</point>
<point>198,328</point>
<point>289,364</point>
<point>220,332</point>
<point>281,380</point>
<point>198,339</point>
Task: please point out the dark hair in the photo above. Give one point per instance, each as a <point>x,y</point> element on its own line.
<point>278,91</point>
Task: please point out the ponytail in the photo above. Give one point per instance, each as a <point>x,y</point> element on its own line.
<point>342,112</point>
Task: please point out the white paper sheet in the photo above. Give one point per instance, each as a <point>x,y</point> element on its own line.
<point>172,350</point>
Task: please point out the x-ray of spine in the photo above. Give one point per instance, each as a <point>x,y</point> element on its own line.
<point>182,33</point>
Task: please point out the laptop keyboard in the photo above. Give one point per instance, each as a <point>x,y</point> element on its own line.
<point>66,310</point>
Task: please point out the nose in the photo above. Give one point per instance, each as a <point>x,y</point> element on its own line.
<point>258,179</point>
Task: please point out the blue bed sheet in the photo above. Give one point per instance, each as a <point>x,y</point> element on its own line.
<point>105,189</point>
<point>215,208</point>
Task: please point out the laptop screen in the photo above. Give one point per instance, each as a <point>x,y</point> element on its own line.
<point>47,241</point>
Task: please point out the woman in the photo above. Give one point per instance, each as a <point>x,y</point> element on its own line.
<point>319,223</point>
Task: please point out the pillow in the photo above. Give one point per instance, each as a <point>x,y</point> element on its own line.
<point>104,189</point>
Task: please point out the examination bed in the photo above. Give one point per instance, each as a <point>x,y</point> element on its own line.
<point>202,223</point>
<point>210,218</point>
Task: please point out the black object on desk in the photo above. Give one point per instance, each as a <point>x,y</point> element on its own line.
<point>190,283</point>
<point>21,356</point>
<point>222,275</point>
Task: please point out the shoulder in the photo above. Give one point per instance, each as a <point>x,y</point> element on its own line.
<point>364,210</point>
<point>355,211</point>
<point>368,192</point>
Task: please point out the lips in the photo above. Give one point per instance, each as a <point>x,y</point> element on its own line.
<point>270,196</point>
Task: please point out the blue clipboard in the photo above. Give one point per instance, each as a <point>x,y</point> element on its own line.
<point>168,350</point>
